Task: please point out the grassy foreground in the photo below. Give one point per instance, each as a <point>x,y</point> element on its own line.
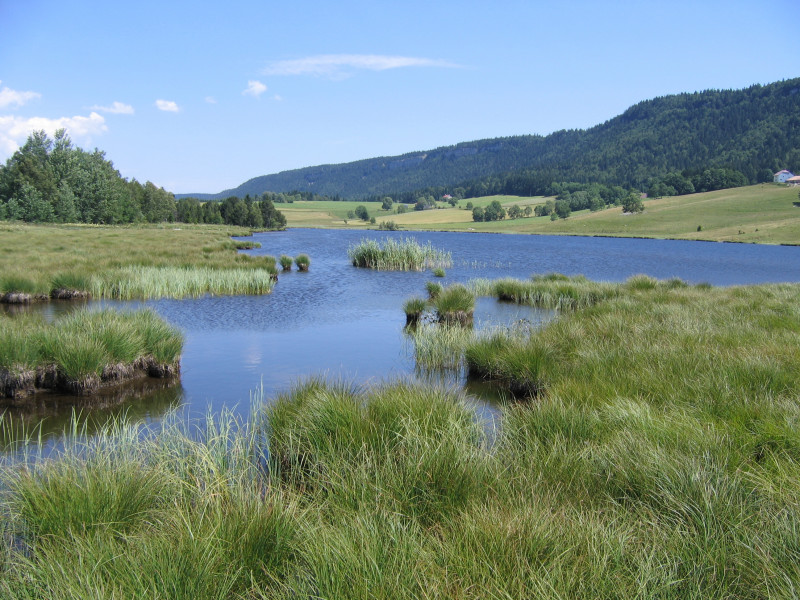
<point>79,352</point>
<point>129,262</point>
<point>761,213</point>
<point>661,458</point>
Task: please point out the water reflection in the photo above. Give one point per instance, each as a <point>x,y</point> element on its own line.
<point>47,418</point>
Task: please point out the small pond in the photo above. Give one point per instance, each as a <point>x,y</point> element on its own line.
<point>346,323</point>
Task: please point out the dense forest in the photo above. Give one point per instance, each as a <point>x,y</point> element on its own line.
<point>752,131</point>
<point>51,181</point>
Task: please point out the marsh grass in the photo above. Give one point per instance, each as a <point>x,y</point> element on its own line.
<point>414,307</point>
<point>78,351</point>
<point>180,282</point>
<point>547,291</point>
<point>455,304</point>
<point>661,460</point>
<point>286,262</point>
<point>397,255</point>
<point>438,346</point>
<point>129,262</point>
<point>434,289</point>
<point>303,262</point>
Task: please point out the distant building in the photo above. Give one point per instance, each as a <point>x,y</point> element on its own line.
<point>782,176</point>
<point>794,180</point>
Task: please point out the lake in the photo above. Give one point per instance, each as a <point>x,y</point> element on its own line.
<point>346,323</point>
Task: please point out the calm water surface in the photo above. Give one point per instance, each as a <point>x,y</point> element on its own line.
<point>346,323</point>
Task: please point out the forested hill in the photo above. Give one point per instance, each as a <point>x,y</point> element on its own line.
<point>755,131</point>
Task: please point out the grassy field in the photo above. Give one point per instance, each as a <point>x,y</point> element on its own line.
<point>123,262</point>
<point>761,213</point>
<point>659,458</point>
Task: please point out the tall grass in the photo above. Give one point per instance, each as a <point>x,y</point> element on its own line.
<point>547,291</point>
<point>455,304</point>
<point>180,282</point>
<point>440,346</point>
<point>661,459</point>
<point>394,255</point>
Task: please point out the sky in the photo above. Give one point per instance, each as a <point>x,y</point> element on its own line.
<point>202,96</point>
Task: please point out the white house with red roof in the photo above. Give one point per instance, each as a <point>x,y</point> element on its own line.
<point>782,176</point>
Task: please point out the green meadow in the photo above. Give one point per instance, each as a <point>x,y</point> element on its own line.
<point>762,213</point>
<point>648,448</point>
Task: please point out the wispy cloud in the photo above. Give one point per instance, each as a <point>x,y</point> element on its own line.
<point>9,97</point>
<point>117,108</point>
<point>344,65</point>
<point>167,106</point>
<point>14,130</point>
<point>254,88</point>
<point>211,100</point>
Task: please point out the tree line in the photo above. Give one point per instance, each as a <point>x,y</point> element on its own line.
<point>51,181</point>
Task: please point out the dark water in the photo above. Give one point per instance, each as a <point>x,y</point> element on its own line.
<point>346,323</point>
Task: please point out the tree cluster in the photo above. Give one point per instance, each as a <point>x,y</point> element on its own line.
<point>707,180</point>
<point>246,212</point>
<point>51,181</point>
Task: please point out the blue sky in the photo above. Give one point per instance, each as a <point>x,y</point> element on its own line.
<point>201,96</point>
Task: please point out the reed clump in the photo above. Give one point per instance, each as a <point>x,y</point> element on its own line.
<point>434,289</point>
<point>80,352</point>
<point>454,305</point>
<point>286,262</point>
<point>303,262</point>
<point>414,308</point>
<point>397,255</point>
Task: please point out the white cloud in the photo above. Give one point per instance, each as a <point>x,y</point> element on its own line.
<point>117,108</point>
<point>343,65</point>
<point>254,88</point>
<point>15,130</point>
<point>277,98</point>
<point>9,97</point>
<point>167,105</point>
<point>211,100</point>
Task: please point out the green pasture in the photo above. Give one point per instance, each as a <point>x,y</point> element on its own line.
<point>763,213</point>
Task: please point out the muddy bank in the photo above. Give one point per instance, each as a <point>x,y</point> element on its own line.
<point>57,294</point>
<point>18,385</point>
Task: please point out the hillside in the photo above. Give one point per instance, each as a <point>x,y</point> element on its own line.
<point>754,130</point>
<point>763,213</point>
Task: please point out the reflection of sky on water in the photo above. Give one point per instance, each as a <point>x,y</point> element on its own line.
<point>346,324</point>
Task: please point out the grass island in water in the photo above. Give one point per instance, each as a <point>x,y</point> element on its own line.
<point>82,351</point>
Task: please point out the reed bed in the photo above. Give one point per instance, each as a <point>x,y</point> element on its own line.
<point>397,255</point>
<point>661,460</point>
<point>547,291</point>
<point>438,346</point>
<point>80,351</point>
<point>179,282</point>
